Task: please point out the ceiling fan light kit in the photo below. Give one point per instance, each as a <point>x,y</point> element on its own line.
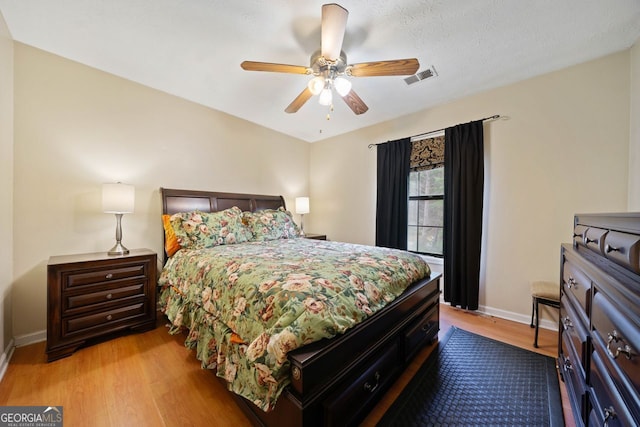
<point>329,66</point>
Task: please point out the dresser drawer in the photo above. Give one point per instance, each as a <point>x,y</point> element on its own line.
<point>358,394</point>
<point>619,341</point>
<point>574,330</point>
<point>579,233</point>
<point>102,319</point>
<point>110,296</point>
<point>608,404</point>
<point>74,279</point>
<point>624,249</point>
<point>594,239</point>
<point>574,379</point>
<point>578,284</point>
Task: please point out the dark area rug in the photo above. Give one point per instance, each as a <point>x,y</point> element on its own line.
<point>472,380</point>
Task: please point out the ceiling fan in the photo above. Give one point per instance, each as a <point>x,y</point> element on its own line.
<point>329,66</point>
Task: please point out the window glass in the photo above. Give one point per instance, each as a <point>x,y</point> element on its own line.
<point>426,211</point>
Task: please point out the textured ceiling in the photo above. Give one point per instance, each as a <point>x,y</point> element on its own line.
<point>193,48</point>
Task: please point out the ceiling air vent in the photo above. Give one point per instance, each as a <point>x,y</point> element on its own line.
<point>422,75</point>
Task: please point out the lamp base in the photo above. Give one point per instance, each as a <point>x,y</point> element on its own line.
<point>118,249</point>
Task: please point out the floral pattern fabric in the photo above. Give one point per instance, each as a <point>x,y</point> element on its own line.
<point>246,306</point>
<point>197,230</point>
<point>270,224</point>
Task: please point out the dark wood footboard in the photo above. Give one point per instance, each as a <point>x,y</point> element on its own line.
<point>337,382</point>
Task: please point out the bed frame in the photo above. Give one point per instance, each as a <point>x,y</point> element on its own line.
<point>336,381</point>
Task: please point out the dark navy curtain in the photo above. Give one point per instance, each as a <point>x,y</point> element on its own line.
<point>393,159</point>
<point>463,192</point>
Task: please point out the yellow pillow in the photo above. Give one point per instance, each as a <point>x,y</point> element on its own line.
<point>171,245</point>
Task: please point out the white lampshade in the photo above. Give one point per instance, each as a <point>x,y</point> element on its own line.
<point>316,85</point>
<point>302,205</point>
<point>326,97</point>
<point>342,85</point>
<point>118,198</point>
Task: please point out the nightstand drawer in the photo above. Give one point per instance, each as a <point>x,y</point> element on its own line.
<point>89,277</point>
<point>104,318</point>
<point>108,296</point>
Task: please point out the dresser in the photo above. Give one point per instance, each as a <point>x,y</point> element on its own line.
<point>599,338</point>
<point>90,296</point>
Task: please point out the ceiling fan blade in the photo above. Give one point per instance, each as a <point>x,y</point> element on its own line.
<point>334,24</point>
<point>275,68</point>
<point>397,67</point>
<point>355,103</point>
<point>299,101</point>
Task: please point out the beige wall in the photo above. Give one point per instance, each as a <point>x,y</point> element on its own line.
<point>6,187</point>
<point>561,147</point>
<point>76,127</point>
<point>634,131</point>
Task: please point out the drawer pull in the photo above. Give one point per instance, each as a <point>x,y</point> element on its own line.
<point>588,240</point>
<point>109,276</point>
<point>566,323</point>
<point>609,249</point>
<point>626,350</point>
<point>109,296</point>
<point>109,317</point>
<point>571,282</point>
<point>609,414</point>
<point>567,365</point>
<point>371,388</point>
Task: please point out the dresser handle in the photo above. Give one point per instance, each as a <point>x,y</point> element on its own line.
<point>626,350</point>
<point>578,235</point>
<point>566,323</point>
<point>567,365</point>
<point>109,317</point>
<point>611,338</point>
<point>609,248</point>
<point>109,296</point>
<point>109,276</point>
<point>371,388</point>
<point>609,414</point>
<point>571,282</point>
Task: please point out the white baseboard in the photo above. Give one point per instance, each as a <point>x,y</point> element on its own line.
<point>20,341</point>
<point>5,357</point>
<point>509,315</point>
<point>32,338</point>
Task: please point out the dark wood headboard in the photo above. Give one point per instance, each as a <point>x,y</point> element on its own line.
<point>174,201</point>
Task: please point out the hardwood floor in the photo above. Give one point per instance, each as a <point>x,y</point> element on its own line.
<point>151,379</point>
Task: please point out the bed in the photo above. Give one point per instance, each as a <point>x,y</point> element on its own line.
<point>306,370</point>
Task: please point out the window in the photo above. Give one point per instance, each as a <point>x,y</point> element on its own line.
<point>426,197</point>
<point>426,207</point>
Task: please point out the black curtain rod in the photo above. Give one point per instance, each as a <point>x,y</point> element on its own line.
<point>496,116</point>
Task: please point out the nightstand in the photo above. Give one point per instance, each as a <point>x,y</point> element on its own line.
<point>315,236</point>
<point>93,295</point>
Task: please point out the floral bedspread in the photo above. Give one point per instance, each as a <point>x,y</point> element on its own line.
<point>247,305</point>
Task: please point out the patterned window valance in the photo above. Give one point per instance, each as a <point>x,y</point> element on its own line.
<point>427,153</point>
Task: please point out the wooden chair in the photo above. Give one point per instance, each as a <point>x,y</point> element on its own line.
<point>547,293</point>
